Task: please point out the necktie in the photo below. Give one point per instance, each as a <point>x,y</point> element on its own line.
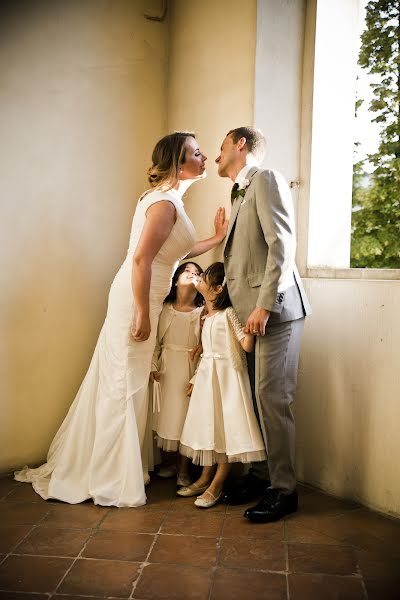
<point>234,188</point>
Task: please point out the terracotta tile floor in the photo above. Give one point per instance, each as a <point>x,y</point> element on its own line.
<point>170,550</point>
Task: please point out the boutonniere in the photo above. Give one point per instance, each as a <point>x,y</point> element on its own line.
<point>242,189</point>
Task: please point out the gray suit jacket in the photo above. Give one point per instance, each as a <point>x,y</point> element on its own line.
<point>260,248</point>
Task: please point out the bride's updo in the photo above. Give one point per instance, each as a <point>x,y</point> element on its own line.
<point>168,155</point>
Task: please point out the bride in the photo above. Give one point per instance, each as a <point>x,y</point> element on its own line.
<point>97,452</point>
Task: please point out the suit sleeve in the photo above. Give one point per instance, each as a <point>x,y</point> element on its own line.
<point>276,216</point>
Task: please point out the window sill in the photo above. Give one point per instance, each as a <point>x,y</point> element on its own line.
<point>364,274</point>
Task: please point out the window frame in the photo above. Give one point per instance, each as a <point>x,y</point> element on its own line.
<point>303,206</point>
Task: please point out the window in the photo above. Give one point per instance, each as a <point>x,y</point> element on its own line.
<point>376,173</point>
<point>332,219</point>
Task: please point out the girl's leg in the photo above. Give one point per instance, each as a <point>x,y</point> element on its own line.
<point>217,484</point>
<point>168,467</point>
<point>200,485</point>
<point>183,477</point>
<point>205,477</point>
<point>214,491</point>
<point>183,465</point>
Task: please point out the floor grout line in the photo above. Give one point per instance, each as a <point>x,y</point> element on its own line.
<point>34,526</point>
<point>145,562</point>
<point>285,541</point>
<point>213,570</point>
<point>30,593</point>
<point>79,555</point>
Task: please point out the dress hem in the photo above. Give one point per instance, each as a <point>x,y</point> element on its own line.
<point>167,445</point>
<point>207,458</point>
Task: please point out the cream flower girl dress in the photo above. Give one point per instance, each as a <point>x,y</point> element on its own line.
<point>178,334</point>
<point>221,425</point>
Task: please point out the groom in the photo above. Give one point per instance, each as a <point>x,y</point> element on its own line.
<point>268,296</point>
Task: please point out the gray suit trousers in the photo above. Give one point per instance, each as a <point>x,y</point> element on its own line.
<point>273,370</point>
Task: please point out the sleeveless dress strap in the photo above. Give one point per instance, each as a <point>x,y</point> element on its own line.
<point>158,196</point>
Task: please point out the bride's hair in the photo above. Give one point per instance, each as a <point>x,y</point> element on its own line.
<point>167,157</point>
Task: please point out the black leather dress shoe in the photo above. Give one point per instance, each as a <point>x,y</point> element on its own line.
<point>249,488</point>
<point>272,507</point>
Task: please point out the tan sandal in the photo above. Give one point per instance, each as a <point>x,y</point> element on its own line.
<point>204,502</point>
<point>191,490</point>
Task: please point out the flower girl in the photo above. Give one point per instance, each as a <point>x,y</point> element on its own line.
<point>173,366</point>
<point>220,426</point>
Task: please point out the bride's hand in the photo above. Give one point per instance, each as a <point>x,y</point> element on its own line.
<point>220,224</point>
<point>141,328</point>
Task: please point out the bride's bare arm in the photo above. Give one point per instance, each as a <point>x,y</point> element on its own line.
<point>221,227</point>
<point>160,219</point>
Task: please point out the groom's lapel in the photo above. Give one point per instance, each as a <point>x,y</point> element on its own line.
<point>234,212</point>
<point>237,203</point>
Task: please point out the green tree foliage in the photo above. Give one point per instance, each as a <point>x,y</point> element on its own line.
<point>376,207</point>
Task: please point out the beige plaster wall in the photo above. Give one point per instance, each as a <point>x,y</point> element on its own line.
<point>278,83</point>
<point>82,102</point>
<point>348,398</point>
<point>211,90</point>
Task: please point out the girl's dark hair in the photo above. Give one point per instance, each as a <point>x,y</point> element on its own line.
<point>199,300</point>
<point>215,275</point>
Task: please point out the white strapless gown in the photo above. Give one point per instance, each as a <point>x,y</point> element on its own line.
<point>96,453</point>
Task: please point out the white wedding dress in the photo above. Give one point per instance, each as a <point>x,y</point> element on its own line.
<point>96,453</point>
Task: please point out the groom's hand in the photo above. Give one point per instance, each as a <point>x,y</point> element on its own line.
<point>257,321</point>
